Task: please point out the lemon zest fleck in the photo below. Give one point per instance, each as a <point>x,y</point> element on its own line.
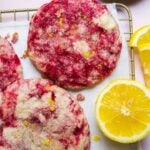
<point>48,87</point>
<point>50,101</point>
<point>99,65</point>
<point>52,108</point>
<point>86,54</point>
<point>50,35</point>
<point>96,138</point>
<point>47,142</point>
<point>25,122</point>
<point>60,21</point>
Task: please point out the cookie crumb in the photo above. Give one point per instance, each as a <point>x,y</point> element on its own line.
<point>7,36</point>
<point>25,54</point>
<point>15,37</point>
<point>80,97</point>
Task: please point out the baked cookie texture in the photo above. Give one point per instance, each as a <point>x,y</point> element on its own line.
<point>10,66</point>
<point>37,115</point>
<point>76,43</point>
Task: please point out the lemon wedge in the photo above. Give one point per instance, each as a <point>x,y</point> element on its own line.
<point>141,36</point>
<point>144,56</point>
<point>123,111</point>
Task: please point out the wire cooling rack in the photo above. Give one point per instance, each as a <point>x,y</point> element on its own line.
<point>125,18</point>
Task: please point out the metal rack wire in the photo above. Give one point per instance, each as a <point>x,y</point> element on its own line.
<point>120,6</point>
<point>130,32</point>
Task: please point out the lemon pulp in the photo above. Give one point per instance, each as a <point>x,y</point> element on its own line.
<point>123,111</point>
<point>144,56</point>
<point>140,36</point>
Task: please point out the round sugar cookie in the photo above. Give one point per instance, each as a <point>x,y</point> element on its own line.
<point>40,116</point>
<point>10,66</point>
<point>76,43</point>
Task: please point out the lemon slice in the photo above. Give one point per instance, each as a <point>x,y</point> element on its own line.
<point>123,111</point>
<point>141,36</point>
<point>145,62</point>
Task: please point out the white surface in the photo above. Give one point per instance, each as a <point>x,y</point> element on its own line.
<point>121,71</point>
<point>140,10</point>
<point>12,4</point>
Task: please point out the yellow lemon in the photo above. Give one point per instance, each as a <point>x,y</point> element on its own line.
<point>140,36</point>
<point>144,56</point>
<point>123,111</point>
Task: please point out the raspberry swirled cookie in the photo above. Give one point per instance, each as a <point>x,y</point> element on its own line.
<point>10,66</point>
<point>40,116</point>
<point>76,43</point>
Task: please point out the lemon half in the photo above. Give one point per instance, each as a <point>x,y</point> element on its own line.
<point>123,111</point>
